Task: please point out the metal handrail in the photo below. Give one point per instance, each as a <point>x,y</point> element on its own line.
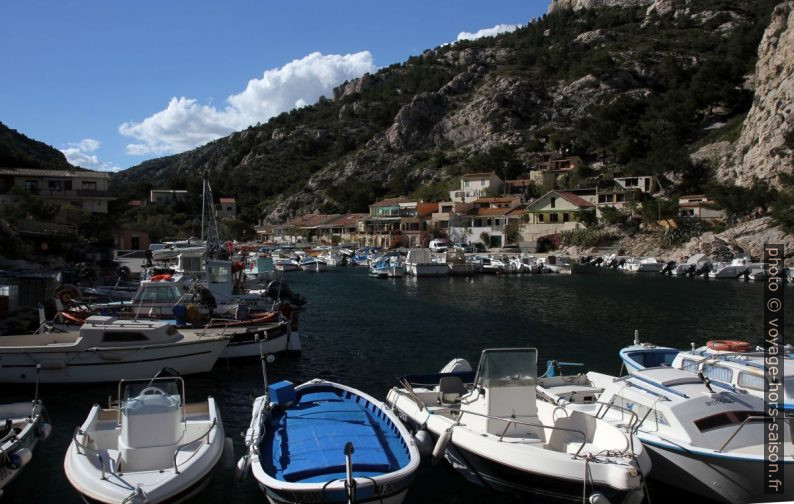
<point>78,445</point>
<point>632,423</point>
<point>519,422</point>
<point>741,426</point>
<point>204,436</point>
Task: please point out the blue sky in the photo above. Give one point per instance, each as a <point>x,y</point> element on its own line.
<point>96,78</point>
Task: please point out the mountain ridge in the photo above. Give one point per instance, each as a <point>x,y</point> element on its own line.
<point>623,86</point>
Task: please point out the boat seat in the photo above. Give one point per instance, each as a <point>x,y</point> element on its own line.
<point>450,389</point>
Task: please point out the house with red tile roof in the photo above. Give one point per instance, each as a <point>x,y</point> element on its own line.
<point>489,226</point>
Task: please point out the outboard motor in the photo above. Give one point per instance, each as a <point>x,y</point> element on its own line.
<point>668,268</point>
<point>690,271</point>
<point>598,261</point>
<point>621,263</point>
<point>278,290</point>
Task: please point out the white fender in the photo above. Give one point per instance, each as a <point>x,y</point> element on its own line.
<point>598,498</point>
<point>441,444</point>
<point>227,456</point>
<point>424,442</point>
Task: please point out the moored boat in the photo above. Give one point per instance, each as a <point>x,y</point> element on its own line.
<point>326,442</point>
<point>22,426</point>
<point>150,446</point>
<point>491,428</point>
<point>106,349</point>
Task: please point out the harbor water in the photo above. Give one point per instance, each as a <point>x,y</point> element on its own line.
<point>365,332</point>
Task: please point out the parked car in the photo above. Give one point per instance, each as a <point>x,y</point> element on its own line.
<point>464,247</point>
<point>439,245</point>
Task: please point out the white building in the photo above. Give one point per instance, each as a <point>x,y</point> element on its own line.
<point>84,189</point>
<point>476,185</point>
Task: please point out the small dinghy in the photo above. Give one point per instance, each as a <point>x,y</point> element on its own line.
<point>22,425</point>
<point>496,434</point>
<point>325,442</point>
<point>150,446</point>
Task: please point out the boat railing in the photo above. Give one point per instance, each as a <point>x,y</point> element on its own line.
<point>225,323</point>
<point>86,450</point>
<point>741,426</point>
<point>511,421</point>
<point>204,437</point>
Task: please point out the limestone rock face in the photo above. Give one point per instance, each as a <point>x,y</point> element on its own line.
<point>591,4</point>
<point>762,149</point>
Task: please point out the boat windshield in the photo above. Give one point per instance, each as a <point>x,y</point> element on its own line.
<point>506,366</point>
<point>170,387</point>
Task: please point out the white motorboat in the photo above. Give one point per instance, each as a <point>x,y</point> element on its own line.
<point>151,446</point>
<point>419,263</point>
<point>736,268</point>
<point>700,439</point>
<point>310,263</point>
<point>333,258</point>
<point>285,264</point>
<point>105,349</point>
<point>22,426</point>
<point>493,431</point>
<point>492,265</point>
<point>733,365</point>
<point>642,265</point>
<point>323,442</point>
<point>556,264</point>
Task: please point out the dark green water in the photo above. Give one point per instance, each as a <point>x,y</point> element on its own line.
<point>365,332</point>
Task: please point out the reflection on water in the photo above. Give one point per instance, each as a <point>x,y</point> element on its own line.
<point>366,332</point>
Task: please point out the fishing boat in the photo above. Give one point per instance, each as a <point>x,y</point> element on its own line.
<point>105,349</point>
<point>701,439</point>
<point>149,446</point>
<point>491,428</point>
<point>737,267</point>
<point>22,426</point>
<point>329,443</point>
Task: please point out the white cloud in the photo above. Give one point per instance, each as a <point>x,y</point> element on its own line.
<point>80,154</point>
<point>185,123</point>
<point>488,32</point>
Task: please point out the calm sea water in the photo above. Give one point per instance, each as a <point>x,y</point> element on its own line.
<point>366,332</point>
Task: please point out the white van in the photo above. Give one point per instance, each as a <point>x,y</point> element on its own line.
<point>439,245</point>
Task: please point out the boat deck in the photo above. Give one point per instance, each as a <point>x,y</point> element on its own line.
<point>305,442</point>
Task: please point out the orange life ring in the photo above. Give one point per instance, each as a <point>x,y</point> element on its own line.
<point>729,345</point>
<point>157,278</point>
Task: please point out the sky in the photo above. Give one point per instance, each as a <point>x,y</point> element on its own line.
<point>113,83</point>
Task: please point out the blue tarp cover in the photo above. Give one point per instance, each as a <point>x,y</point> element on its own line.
<point>305,442</point>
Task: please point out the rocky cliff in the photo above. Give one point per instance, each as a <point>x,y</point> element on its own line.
<point>766,145</point>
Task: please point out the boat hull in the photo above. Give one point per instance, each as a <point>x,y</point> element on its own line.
<point>721,478</point>
<point>246,345</point>
<point>427,270</point>
<point>111,365</point>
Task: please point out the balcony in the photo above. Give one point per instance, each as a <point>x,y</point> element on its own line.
<point>72,193</point>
